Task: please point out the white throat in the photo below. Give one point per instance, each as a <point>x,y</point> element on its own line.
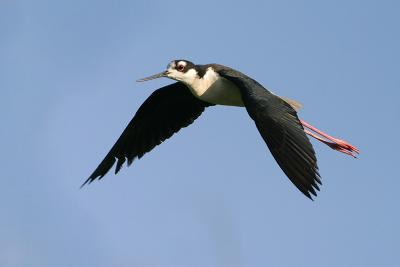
<point>213,88</point>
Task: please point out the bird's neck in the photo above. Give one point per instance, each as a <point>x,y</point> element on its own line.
<point>213,88</point>
<point>199,85</point>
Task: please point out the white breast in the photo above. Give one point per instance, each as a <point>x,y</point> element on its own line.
<point>215,89</point>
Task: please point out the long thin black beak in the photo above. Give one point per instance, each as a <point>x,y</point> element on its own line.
<point>152,77</point>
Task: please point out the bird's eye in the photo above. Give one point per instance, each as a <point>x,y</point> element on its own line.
<point>180,67</point>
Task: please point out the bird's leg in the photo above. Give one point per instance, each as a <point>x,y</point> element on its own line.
<point>336,144</point>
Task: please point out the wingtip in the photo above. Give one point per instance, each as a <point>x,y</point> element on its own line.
<point>88,181</point>
<point>308,195</point>
<point>100,171</point>
<point>311,192</point>
<point>120,163</point>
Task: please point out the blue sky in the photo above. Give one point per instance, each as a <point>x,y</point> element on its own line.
<point>212,195</point>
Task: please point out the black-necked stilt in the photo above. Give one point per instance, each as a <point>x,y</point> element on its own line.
<point>177,105</point>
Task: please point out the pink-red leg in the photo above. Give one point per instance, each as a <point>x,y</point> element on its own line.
<point>336,144</point>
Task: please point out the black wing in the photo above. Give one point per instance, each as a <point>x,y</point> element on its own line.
<point>164,113</point>
<point>281,129</point>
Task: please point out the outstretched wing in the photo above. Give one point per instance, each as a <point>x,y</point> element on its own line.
<point>164,113</point>
<point>279,126</point>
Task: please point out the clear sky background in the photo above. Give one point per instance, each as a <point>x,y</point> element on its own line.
<point>212,195</point>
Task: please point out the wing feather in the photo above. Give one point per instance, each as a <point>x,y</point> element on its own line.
<point>279,126</point>
<point>164,113</point>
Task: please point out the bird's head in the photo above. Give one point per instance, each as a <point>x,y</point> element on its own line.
<point>180,70</point>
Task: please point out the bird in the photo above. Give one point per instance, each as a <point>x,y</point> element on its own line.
<point>197,87</point>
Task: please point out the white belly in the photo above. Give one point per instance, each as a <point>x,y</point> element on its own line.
<point>217,90</point>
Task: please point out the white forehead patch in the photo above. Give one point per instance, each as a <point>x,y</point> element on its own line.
<point>182,63</point>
